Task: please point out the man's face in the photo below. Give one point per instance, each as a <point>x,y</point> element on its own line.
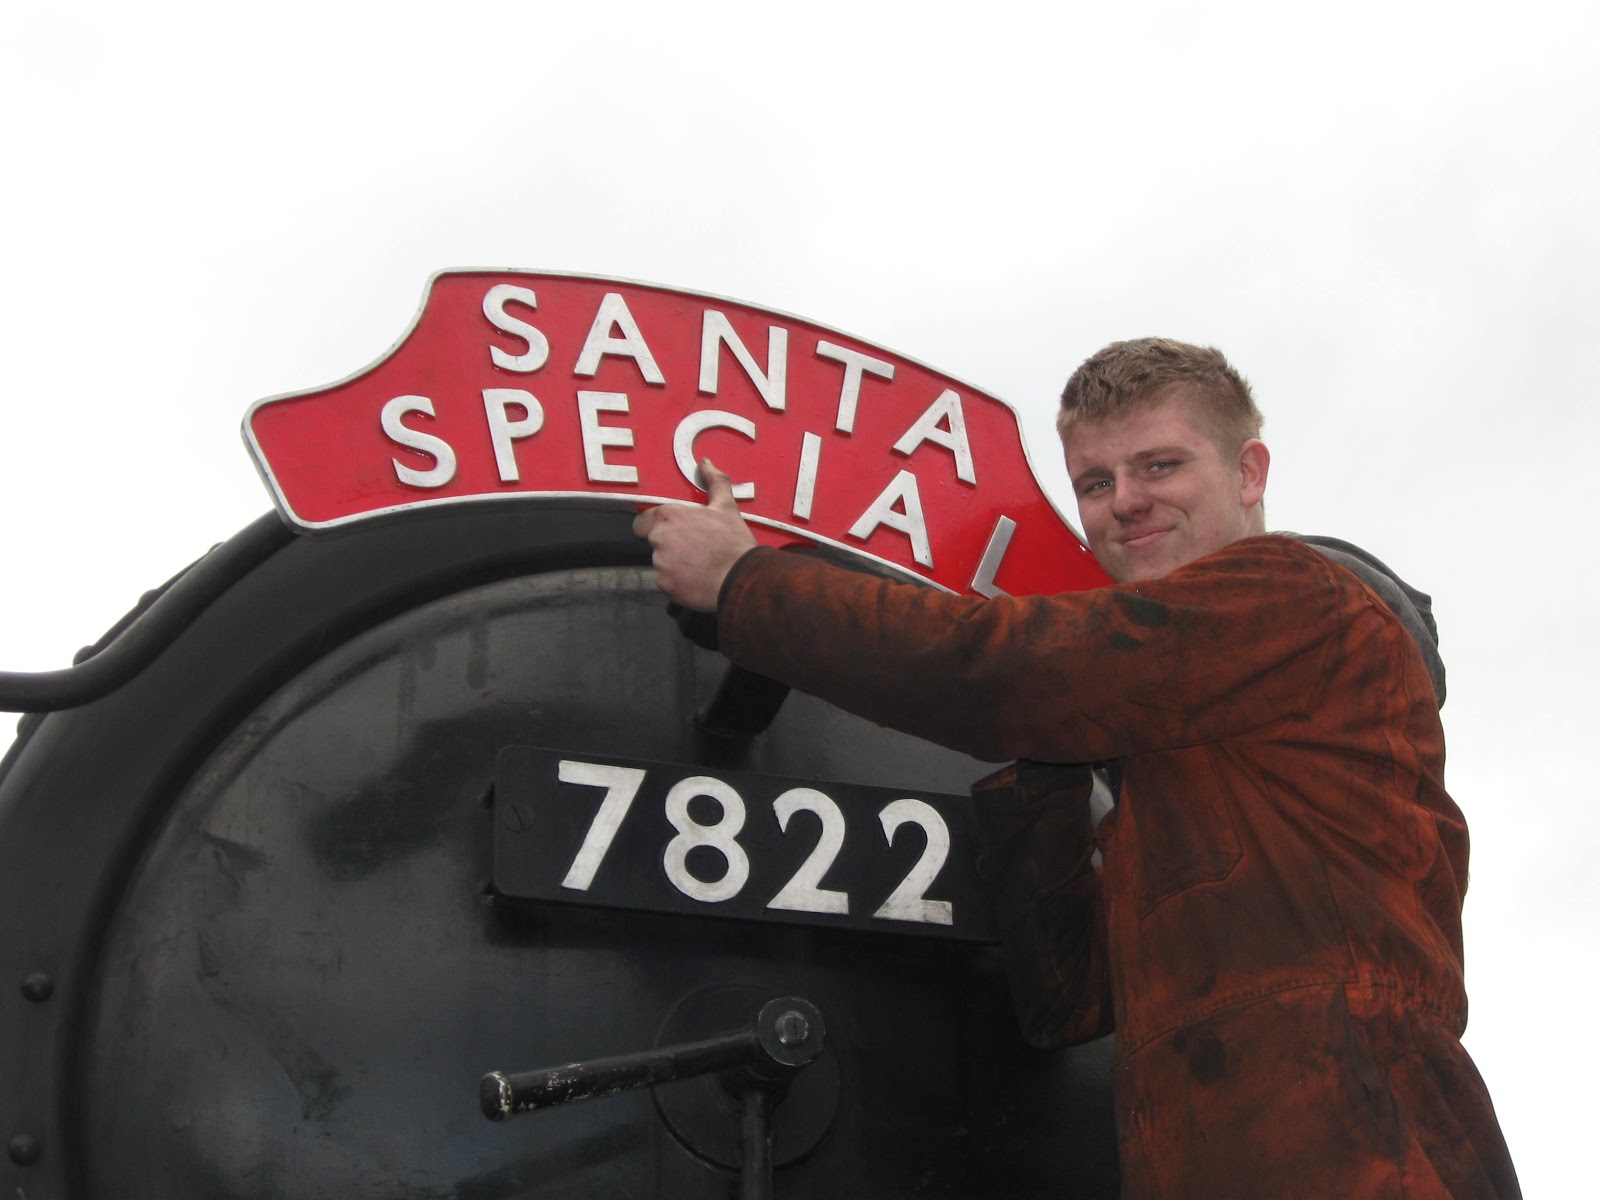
<point>1154,492</point>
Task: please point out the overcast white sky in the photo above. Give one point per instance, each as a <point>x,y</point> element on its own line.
<point>1384,213</point>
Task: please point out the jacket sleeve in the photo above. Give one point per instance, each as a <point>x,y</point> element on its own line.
<point>1224,646</point>
<point>1036,848</point>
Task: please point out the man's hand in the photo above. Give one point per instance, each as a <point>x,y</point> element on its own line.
<point>695,547</point>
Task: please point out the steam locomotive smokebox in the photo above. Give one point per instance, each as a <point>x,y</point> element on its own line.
<point>416,800</point>
<point>419,852</point>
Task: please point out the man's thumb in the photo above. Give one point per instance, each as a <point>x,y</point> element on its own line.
<point>719,488</point>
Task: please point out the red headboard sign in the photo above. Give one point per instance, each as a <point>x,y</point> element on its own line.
<point>513,385</point>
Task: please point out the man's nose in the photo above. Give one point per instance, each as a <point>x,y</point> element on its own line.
<point>1129,500</point>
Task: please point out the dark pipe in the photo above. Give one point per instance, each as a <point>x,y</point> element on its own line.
<point>135,641</point>
<point>755,1144</point>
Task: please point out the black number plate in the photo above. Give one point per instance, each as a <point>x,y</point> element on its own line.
<point>612,832</point>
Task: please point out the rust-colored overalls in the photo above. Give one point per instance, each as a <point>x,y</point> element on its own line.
<point>1275,930</point>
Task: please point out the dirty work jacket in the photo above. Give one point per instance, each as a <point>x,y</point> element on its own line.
<point>1275,931</point>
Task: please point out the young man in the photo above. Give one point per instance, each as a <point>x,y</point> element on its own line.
<point>1274,930</point>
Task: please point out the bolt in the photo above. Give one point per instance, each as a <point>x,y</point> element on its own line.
<point>24,1149</point>
<point>793,1029</point>
<point>37,986</point>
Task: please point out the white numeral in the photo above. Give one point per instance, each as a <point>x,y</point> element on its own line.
<point>719,836</point>
<point>622,785</point>
<point>802,893</point>
<point>907,902</point>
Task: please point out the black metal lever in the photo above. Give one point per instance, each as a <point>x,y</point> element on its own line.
<point>785,1036</point>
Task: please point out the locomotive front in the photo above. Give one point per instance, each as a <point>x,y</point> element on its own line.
<point>416,798</point>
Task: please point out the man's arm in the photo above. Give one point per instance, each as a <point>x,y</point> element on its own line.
<point>1223,647</point>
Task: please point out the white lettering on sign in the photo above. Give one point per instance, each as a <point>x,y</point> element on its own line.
<point>898,506</point>
<point>444,468</point>
<point>494,307</point>
<point>805,480</point>
<point>772,384</point>
<point>804,891</point>
<point>855,364</point>
<point>717,836</point>
<point>629,343</point>
<point>908,902</point>
<point>983,578</point>
<point>944,425</point>
<point>692,427</point>
<point>621,785</point>
<point>907,519</point>
<point>596,437</point>
<point>503,430</point>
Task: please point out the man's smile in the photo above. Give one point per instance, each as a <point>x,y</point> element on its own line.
<point>1148,537</point>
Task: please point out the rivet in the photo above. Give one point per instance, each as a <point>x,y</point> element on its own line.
<point>24,1149</point>
<point>37,986</point>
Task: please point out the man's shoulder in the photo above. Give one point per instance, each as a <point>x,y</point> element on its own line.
<point>1278,571</point>
<point>1410,608</point>
<point>1275,557</point>
<point>1294,557</point>
<point>1296,560</point>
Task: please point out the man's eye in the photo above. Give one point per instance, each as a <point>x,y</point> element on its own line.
<point>1163,466</point>
<point>1093,485</point>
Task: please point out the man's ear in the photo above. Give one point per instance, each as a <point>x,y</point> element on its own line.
<point>1254,460</point>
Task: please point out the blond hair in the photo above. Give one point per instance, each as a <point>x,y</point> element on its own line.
<point>1146,371</point>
